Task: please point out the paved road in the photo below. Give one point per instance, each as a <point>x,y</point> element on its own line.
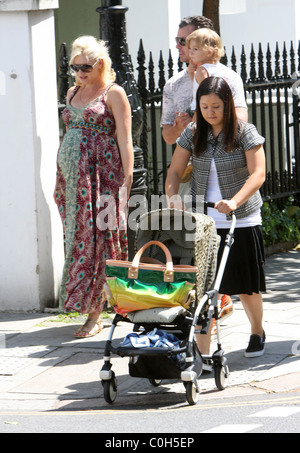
<point>273,413</point>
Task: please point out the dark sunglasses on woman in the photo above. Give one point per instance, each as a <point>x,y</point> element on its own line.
<point>82,67</point>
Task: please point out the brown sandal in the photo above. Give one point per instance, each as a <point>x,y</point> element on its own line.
<point>81,333</point>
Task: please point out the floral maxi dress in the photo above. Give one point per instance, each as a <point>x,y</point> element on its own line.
<point>89,169</point>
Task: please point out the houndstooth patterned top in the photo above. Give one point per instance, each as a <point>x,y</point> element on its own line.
<point>231,167</point>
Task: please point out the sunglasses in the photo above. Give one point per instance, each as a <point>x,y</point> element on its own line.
<point>180,41</point>
<point>83,67</point>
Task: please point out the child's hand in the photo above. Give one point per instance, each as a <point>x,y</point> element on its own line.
<point>192,68</point>
<point>175,202</point>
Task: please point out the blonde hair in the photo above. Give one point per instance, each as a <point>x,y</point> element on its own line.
<point>208,40</point>
<point>93,50</point>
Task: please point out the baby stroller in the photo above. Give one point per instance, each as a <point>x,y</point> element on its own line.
<point>167,334</point>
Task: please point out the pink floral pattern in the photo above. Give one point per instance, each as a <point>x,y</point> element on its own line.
<point>88,168</point>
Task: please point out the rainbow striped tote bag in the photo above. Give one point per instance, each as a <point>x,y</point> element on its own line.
<point>137,285</point>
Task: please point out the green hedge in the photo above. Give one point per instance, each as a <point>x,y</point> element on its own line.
<point>281,225</point>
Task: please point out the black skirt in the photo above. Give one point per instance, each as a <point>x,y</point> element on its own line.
<point>244,271</point>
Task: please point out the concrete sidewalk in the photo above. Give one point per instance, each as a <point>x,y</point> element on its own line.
<point>43,367</point>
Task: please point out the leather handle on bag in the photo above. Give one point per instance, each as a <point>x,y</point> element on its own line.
<point>134,269</point>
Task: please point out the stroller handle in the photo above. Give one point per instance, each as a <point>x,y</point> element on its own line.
<point>210,204</point>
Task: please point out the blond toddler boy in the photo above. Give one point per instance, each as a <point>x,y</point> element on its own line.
<point>206,50</point>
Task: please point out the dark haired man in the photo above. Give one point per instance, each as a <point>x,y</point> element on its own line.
<point>178,91</point>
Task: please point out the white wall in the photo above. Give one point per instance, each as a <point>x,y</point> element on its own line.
<point>156,22</point>
<point>18,229</point>
<point>46,143</point>
<point>297,20</point>
<point>30,233</point>
<point>263,21</point>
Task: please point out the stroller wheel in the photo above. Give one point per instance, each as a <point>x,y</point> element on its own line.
<point>110,389</point>
<point>192,394</point>
<point>155,382</point>
<point>221,376</point>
